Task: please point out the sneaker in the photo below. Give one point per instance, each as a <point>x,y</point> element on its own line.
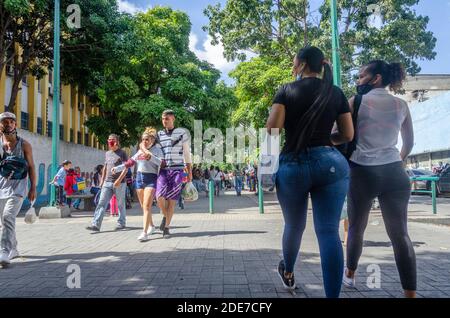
<point>163,224</point>
<point>151,230</point>
<point>347,281</point>
<point>143,237</point>
<point>4,259</point>
<point>166,233</point>
<point>93,228</point>
<point>14,253</point>
<point>120,227</point>
<point>288,283</point>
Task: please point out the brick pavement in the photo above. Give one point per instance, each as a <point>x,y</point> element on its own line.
<point>231,253</point>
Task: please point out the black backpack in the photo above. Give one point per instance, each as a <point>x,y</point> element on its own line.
<point>347,149</point>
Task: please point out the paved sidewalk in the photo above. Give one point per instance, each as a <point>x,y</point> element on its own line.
<point>231,253</point>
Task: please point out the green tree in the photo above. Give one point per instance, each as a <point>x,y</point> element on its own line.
<point>155,71</point>
<point>276,29</point>
<point>29,24</point>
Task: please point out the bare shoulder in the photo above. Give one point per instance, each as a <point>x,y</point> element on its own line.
<point>351,102</point>
<point>26,145</point>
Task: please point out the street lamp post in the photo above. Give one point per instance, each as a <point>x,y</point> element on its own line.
<point>335,44</point>
<point>56,105</point>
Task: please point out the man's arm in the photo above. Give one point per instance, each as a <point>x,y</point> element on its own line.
<point>119,180</point>
<point>188,159</point>
<point>124,158</point>
<point>103,176</point>
<point>28,153</point>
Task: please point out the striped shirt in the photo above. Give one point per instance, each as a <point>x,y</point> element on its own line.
<point>171,142</point>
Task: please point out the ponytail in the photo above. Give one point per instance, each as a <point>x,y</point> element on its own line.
<point>315,60</point>
<point>397,76</point>
<point>392,74</point>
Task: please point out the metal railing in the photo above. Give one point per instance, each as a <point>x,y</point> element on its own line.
<point>432,191</point>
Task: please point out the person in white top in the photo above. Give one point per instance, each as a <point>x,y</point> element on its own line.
<point>217,177</point>
<point>377,169</point>
<point>146,178</point>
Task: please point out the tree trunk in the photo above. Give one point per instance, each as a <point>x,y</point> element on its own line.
<point>19,73</point>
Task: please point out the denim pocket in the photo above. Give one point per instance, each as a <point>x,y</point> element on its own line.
<point>288,173</point>
<point>332,167</point>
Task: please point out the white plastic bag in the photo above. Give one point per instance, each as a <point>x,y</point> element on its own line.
<point>268,161</point>
<point>189,192</point>
<point>30,216</point>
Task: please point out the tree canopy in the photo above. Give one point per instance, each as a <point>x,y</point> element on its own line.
<point>277,29</point>
<point>154,70</point>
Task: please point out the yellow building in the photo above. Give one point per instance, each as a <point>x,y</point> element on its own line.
<point>34,108</point>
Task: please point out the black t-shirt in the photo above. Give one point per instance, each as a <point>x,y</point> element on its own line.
<point>297,97</point>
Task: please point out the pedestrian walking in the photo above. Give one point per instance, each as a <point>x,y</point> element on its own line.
<point>112,183</point>
<point>175,145</point>
<point>377,169</point>
<point>307,110</point>
<point>146,178</point>
<point>16,170</point>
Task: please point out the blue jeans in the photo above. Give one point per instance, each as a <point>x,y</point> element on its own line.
<point>105,196</point>
<point>77,202</point>
<point>324,173</point>
<point>238,184</point>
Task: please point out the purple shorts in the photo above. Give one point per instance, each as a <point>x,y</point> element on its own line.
<point>169,184</point>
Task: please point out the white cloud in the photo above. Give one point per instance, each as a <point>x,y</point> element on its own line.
<point>214,55</point>
<point>128,7</point>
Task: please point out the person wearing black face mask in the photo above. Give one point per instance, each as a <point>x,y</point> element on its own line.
<point>363,89</point>
<point>377,169</point>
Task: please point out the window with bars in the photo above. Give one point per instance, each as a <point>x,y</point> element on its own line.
<point>39,126</point>
<point>24,117</point>
<point>86,139</point>
<point>71,135</point>
<point>49,128</point>
<point>79,138</point>
<point>61,132</point>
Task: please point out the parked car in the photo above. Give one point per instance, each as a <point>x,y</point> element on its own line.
<point>421,185</point>
<point>443,184</point>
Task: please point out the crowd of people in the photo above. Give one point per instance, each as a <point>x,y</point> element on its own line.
<point>317,119</point>
<point>238,179</point>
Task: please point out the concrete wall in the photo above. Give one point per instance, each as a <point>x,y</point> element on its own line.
<point>431,85</point>
<point>84,157</point>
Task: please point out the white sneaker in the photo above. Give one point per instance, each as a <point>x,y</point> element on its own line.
<point>143,237</point>
<point>14,253</point>
<point>151,230</point>
<point>347,281</point>
<point>4,259</point>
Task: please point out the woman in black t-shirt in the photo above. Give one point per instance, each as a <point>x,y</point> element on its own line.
<point>309,164</point>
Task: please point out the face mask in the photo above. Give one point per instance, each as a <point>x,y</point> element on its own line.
<point>363,89</point>
<point>9,133</point>
<point>111,143</point>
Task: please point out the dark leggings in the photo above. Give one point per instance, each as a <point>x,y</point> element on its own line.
<point>391,185</point>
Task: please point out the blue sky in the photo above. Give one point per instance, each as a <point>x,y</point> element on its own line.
<point>437,10</point>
